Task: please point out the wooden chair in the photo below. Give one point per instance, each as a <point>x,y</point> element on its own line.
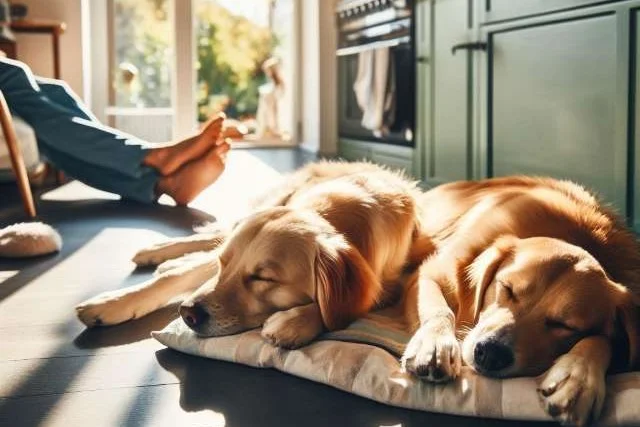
<point>17,162</point>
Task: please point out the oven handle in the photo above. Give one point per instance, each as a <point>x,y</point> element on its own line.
<point>353,50</point>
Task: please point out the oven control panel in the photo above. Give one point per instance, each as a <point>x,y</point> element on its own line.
<point>364,21</point>
<point>353,9</point>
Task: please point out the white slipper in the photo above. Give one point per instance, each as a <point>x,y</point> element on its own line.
<point>28,239</point>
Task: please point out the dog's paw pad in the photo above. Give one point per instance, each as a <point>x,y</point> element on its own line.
<point>431,372</point>
<point>105,309</point>
<point>573,390</point>
<point>432,356</point>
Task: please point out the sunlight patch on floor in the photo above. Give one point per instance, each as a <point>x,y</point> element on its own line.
<point>245,178</point>
<point>228,199</point>
<point>75,190</point>
<point>6,275</point>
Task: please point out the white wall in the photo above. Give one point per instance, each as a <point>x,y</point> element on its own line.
<point>319,77</point>
<point>36,49</point>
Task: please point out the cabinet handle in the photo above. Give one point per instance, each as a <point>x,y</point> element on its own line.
<point>422,59</point>
<point>469,46</point>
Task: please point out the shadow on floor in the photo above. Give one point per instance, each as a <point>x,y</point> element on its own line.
<point>128,332</point>
<point>249,396</point>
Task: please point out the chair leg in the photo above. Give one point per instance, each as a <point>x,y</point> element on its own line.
<point>16,158</point>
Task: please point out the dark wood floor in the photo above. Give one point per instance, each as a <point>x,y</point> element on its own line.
<point>53,372</point>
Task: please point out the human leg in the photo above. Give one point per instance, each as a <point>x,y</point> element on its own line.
<point>183,185</point>
<point>164,157</point>
<point>59,92</point>
<point>65,131</point>
<point>68,131</point>
<point>107,158</point>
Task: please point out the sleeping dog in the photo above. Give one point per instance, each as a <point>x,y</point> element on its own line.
<point>532,275</point>
<point>320,251</point>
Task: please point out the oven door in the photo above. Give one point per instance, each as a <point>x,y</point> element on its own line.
<point>349,112</point>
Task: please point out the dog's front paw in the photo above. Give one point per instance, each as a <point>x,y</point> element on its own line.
<point>187,260</point>
<point>433,353</point>
<point>573,390</point>
<point>153,255</point>
<point>293,328</point>
<point>108,308</point>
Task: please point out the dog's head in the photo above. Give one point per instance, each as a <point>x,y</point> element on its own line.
<point>275,260</point>
<point>537,297</point>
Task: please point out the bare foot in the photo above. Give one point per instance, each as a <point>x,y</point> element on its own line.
<point>170,157</point>
<point>191,179</point>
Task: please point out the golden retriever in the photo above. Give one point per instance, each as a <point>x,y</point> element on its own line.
<point>320,251</point>
<point>532,275</point>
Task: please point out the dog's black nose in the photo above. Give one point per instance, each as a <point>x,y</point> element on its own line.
<point>492,356</point>
<point>193,314</point>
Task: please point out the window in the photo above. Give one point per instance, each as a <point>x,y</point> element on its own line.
<point>245,63</point>
<point>163,80</point>
<point>140,60</point>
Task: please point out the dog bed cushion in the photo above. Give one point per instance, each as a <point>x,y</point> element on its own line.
<point>363,360</point>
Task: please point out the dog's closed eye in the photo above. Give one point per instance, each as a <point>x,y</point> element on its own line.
<point>506,290</point>
<point>559,325</point>
<point>259,284</point>
<point>260,278</point>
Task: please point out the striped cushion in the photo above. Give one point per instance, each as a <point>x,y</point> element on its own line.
<point>363,360</point>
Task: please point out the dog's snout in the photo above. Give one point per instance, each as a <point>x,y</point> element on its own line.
<point>492,356</point>
<point>194,314</point>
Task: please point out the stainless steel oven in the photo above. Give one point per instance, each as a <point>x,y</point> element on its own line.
<point>364,26</point>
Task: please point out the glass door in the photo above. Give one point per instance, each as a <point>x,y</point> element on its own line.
<point>140,62</point>
<point>246,66</point>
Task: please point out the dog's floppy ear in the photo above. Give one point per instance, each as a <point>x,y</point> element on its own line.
<point>628,315</point>
<point>346,287</point>
<point>484,268</point>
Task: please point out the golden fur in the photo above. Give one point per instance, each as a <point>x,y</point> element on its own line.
<point>321,250</point>
<point>532,274</point>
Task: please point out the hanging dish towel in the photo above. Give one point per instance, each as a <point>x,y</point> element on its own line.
<point>375,89</point>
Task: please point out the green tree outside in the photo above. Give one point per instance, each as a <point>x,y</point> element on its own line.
<point>230,53</point>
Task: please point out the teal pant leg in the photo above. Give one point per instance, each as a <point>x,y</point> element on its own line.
<point>140,189</point>
<point>74,141</point>
<point>60,93</point>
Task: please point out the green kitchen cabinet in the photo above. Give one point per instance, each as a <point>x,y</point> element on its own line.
<point>554,100</point>
<point>354,151</point>
<point>536,87</point>
<point>395,157</point>
<point>423,121</point>
<point>447,153</point>
<point>634,151</point>
<point>499,10</point>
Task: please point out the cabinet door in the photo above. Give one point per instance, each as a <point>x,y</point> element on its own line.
<point>396,158</point>
<point>557,103</point>
<point>423,87</point>
<point>447,158</point>
<point>353,151</point>
<point>498,10</point>
<point>636,121</point>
